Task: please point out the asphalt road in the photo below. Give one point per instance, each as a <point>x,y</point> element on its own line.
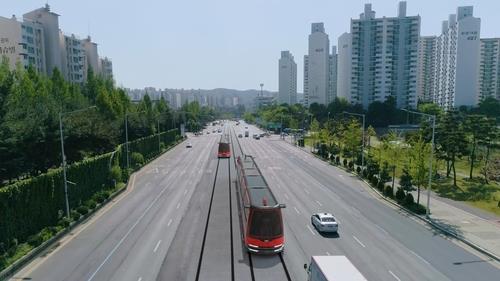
<point>154,231</point>
<point>382,242</point>
<point>130,239</point>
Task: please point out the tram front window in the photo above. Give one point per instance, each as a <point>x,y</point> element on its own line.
<point>265,224</point>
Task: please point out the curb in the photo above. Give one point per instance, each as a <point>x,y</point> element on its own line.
<point>35,252</point>
<point>424,219</point>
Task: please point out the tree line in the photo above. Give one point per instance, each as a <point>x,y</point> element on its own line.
<point>30,104</point>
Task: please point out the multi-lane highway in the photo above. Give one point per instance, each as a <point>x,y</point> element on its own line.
<point>179,220</point>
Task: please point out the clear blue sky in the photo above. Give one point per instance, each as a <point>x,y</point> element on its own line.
<point>224,43</point>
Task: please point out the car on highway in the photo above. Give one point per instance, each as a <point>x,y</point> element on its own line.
<point>189,144</point>
<point>324,222</point>
<point>240,135</point>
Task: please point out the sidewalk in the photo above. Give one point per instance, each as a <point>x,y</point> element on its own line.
<point>481,232</point>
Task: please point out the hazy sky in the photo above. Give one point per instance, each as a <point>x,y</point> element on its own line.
<point>224,43</point>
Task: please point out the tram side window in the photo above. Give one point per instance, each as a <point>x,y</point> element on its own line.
<point>265,224</point>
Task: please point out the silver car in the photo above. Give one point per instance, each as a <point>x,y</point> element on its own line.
<point>324,222</point>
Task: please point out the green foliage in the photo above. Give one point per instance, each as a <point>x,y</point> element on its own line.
<point>91,204</point>
<point>116,173</point>
<point>388,191</point>
<point>400,195</point>
<point>405,181</point>
<point>409,201</point>
<point>384,173</point>
<point>82,210</point>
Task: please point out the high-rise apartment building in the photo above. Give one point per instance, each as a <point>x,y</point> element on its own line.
<point>489,69</point>
<point>344,67</point>
<point>92,56</point>
<point>38,41</point>
<point>73,58</point>
<point>317,67</point>
<point>22,42</point>
<point>106,68</point>
<point>332,76</point>
<point>50,22</point>
<point>287,79</point>
<point>457,60</point>
<point>426,67</point>
<point>384,58</point>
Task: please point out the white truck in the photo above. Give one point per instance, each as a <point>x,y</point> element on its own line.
<point>332,268</point>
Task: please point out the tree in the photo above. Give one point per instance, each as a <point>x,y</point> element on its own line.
<point>489,107</point>
<point>451,141</point>
<point>405,181</point>
<point>478,127</point>
<point>393,148</point>
<point>370,132</point>
<point>352,138</point>
<point>315,128</point>
<point>419,154</point>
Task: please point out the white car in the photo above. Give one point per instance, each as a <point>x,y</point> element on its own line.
<point>189,145</point>
<point>324,222</point>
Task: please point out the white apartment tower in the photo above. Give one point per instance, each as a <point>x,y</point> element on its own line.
<point>344,67</point>
<point>332,76</point>
<point>384,58</point>
<point>50,23</point>
<point>92,56</point>
<point>22,42</point>
<point>457,60</point>
<point>73,58</point>
<point>287,79</point>
<point>317,67</point>
<point>489,69</point>
<point>426,67</point>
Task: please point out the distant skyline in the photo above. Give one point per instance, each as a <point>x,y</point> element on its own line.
<point>223,43</point>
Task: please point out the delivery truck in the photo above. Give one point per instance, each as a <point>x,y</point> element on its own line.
<point>332,268</point>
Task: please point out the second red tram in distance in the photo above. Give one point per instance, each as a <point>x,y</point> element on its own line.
<point>262,219</point>
<point>224,148</point>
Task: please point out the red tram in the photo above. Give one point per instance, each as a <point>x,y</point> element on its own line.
<point>224,148</point>
<point>262,219</point>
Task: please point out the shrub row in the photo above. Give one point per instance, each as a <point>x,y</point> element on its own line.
<point>36,206</point>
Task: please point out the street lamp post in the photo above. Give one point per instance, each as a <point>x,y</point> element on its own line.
<point>363,136</point>
<point>433,119</point>
<point>63,155</point>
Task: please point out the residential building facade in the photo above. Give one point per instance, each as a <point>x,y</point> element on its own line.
<point>426,68</point>
<point>73,58</point>
<point>457,60</point>
<point>489,69</point>
<point>287,79</point>
<point>384,58</point>
<point>332,76</point>
<point>22,42</point>
<point>344,67</point>
<point>317,67</point>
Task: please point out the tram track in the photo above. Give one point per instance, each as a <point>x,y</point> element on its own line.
<point>266,265</point>
<point>215,251</point>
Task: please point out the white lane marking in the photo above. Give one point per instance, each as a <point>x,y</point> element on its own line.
<point>341,176</point>
<point>381,229</point>
<point>307,191</point>
<point>328,254</point>
<point>308,227</point>
<point>157,170</point>
<point>178,205</point>
<point>127,234</point>
<point>157,245</point>
<point>140,279</point>
<point>357,240</point>
<point>185,191</point>
<point>394,275</point>
<point>286,196</point>
<point>418,256</point>
<point>319,203</point>
<point>169,222</point>
<point>296,210</point>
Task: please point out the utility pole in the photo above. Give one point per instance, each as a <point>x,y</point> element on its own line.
<point>63,155</point>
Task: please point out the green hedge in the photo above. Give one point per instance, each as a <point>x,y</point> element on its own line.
<point>27,207</point>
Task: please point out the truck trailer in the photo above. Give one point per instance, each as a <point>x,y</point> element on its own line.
<point>332,268</point>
